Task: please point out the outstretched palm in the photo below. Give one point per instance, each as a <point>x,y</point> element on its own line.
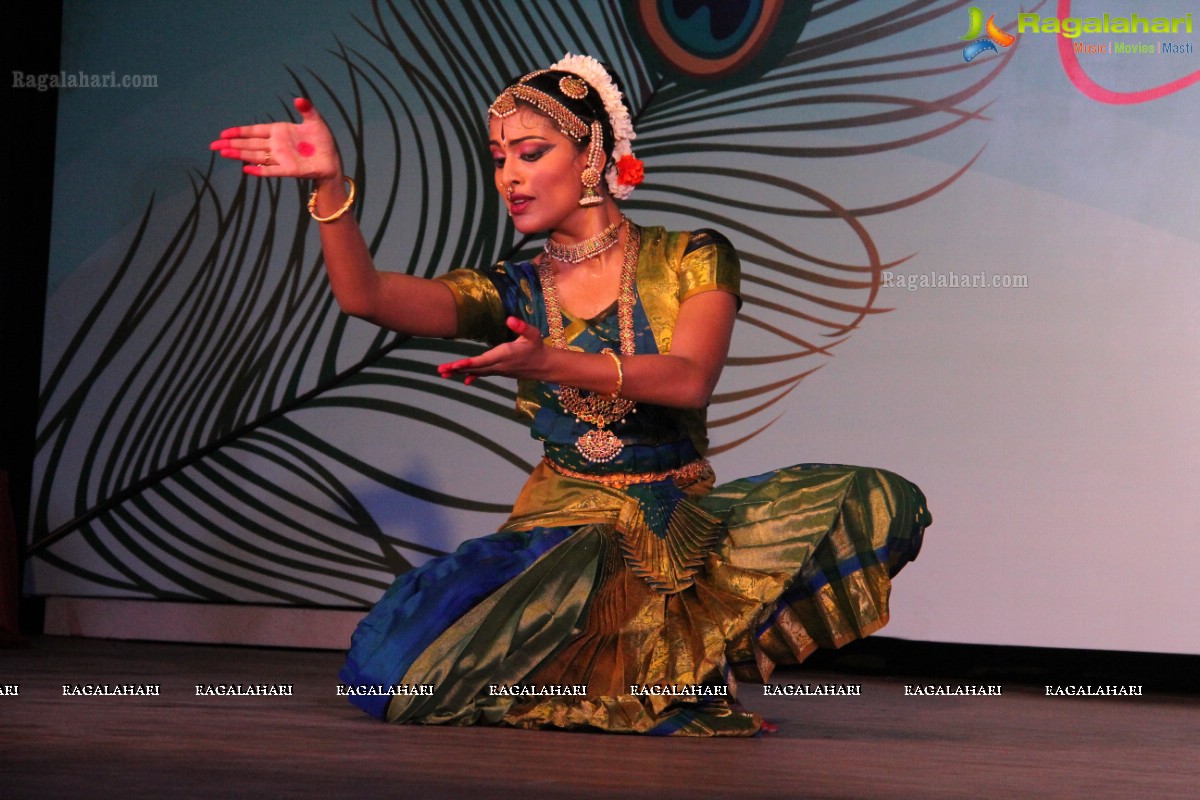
<point>284,149</point>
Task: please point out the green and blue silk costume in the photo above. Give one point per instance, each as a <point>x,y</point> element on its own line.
<point>674,584</point>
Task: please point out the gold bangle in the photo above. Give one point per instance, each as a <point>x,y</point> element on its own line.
<point>608,351</point>
<point>312,204</point>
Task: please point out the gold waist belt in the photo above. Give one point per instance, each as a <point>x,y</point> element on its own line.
<point>689,473</point>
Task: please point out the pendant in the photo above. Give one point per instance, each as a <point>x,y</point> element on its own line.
<point>599,446</point>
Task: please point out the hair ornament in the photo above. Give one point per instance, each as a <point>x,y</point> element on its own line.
<point>572,87</point>
<point>598,78</point>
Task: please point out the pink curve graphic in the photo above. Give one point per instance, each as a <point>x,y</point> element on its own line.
<point>1100,94</point>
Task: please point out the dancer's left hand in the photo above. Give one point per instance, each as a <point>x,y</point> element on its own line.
<point>524,357</point>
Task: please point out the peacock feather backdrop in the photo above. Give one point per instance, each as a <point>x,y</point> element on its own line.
<point>213,428</point>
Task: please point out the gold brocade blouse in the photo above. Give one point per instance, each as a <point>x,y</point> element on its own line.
<point>672,266</point>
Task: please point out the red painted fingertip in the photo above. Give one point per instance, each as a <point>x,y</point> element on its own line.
<point>231,133</point>
<point>302,105</point>
<point>305,149</point>
<point>467,381</point>
<point>229,152</point>
<point>253,169</point>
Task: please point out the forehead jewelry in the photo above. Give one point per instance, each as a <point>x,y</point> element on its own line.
<point>506,105</point>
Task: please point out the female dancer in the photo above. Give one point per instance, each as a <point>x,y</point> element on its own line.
<point>625,593</point>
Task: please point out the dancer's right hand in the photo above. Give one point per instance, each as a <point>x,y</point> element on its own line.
<point>284,149</point>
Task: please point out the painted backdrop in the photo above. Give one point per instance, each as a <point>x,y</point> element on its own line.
<point>971,255</point>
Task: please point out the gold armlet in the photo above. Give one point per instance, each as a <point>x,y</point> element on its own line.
<point>312,204</point>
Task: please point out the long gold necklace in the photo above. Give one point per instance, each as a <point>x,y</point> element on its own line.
<point>600,445</point>
<point>588,248</point>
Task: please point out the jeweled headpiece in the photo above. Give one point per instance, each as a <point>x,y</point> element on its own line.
<point>581,80</point>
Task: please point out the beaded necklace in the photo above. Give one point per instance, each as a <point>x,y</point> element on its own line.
<point>599,445</point>
<point>588,248</point>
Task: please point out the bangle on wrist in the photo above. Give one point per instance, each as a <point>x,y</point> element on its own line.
<point>620,372</point>
<point>312,204</point>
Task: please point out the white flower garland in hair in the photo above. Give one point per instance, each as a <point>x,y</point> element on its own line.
<point>626,171</point>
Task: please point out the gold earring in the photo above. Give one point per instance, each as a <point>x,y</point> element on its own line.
<point>591,174</point>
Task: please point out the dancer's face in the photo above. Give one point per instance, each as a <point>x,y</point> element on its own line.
<point>538,170</point>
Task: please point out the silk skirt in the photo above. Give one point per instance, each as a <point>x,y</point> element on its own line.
<point>574,617</point>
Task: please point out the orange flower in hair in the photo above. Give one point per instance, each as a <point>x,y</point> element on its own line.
<point>630,170</point>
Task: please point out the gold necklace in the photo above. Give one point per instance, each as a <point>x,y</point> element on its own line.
<point>588,248</point>
<point>600,445</point>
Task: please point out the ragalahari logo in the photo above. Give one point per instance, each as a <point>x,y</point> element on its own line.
<point>994,36</point>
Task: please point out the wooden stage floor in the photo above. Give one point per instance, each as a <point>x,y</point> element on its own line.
<point>881,743</point>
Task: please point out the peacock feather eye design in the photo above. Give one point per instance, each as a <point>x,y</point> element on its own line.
<point>727,41</point>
